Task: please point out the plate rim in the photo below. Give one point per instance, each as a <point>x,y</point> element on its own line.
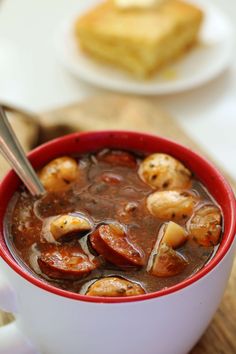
<point>134,86</point>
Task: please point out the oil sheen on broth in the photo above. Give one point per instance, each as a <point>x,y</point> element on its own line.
<point>106,190</point>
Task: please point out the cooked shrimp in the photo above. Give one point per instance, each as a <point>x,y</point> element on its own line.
<point>171,205</point>
<point>58,173</point>
<point>205,225</point>
<point>64,226</point>
<point>164,172</point>
<point>114,286</point>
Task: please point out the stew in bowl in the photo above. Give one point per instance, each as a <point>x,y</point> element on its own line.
<point>116,223</point>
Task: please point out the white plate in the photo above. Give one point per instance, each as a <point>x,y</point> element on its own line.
<point>200,65</point>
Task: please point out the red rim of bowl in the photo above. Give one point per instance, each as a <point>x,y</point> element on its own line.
<point>223,249</point>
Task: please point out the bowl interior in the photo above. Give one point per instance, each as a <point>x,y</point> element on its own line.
<point>93,141</point>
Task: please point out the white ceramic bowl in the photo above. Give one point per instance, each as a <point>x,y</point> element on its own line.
<point>170,321</point>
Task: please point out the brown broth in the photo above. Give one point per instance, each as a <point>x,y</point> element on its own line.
<point>102,202</point>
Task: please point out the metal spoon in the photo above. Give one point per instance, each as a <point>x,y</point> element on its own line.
<point>14,154</point>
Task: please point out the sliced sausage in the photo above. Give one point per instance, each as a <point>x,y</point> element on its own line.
<point>205,226</point>
<point>65,263</point>
<point>113,286</point>
<point>112,243</point>
<point>164,172</point>
<point>118,158</point>
<point>58,173</point>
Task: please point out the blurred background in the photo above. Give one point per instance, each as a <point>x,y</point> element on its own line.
<point>32,77</point>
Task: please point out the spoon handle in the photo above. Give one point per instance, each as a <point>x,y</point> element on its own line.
<point>14,154</point>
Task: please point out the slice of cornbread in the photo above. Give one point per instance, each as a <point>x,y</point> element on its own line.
<point>139,40</point>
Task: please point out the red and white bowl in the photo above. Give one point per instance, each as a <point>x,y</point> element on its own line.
<point>169,321</point>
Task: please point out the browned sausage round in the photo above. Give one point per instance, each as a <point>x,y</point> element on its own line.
<point>65,263</point>
<point>114,286</point>
<point>112,243</point>
<point>118,158</point>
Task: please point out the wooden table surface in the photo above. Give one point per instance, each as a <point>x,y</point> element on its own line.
<point>122,112</point>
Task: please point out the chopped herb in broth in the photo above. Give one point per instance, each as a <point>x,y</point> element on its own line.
<point>141,224</point>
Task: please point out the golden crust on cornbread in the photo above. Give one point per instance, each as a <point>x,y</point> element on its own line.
<point>139,40</point>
